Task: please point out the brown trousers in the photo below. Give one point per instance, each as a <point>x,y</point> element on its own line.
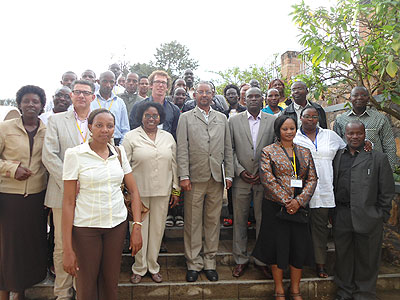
<point>98,252</point>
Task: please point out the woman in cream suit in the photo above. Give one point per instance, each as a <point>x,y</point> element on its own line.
<point>152,154</point>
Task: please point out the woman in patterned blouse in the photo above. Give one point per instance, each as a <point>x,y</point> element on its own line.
<point>288,175</point>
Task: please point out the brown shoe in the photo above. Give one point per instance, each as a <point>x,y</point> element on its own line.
<point>238,270</point>
<point>136,278</point>
<point>156,277</point>
<point>266,271</point>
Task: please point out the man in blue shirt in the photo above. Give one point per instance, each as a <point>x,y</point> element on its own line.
<point>105,98</point>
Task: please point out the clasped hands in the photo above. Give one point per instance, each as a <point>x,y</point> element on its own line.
<point>250,178</point>
<point>186,185</point>
<point>292,206</point>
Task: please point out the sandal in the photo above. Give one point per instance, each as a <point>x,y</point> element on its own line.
<point>321,272</point>
<point>136,278</point>
<point>179,221</point>
<point>170,221</point>
<point>293,296</point>
<point>279,296</point>
<point>156,277</point>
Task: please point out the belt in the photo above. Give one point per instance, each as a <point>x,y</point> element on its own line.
<point>344,204</point>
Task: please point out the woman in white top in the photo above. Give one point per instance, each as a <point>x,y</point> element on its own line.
<point>151,152</point>
<point>94,213</point>
<point>323,144</point>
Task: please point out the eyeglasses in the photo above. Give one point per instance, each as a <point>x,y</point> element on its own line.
<point>158,82</point>
<point>154,117</point>
<point>64,96</point>
<point>78,92</point>
<point>204,93</point>
<point>310,117</point>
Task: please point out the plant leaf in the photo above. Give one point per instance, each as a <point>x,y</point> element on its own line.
<point>391,69</point>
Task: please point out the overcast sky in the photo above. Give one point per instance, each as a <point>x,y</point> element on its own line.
<point>42,39</point>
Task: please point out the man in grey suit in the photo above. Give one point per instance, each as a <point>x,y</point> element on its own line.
<point>64,130</point>
<point>364,188</point>
<point>204,154</point>
<point>251,131</point>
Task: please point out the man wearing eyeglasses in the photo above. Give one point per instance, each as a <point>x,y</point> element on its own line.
<point>205,165</point>
<point>159,83</point>
<point>130,96</point>
<point>61,100</point>
<point>64,130</point>
<point>106,98</point>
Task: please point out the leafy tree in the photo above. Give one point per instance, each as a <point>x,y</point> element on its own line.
<point>8,102</point>
<point>264,74</point>
<point>174,58</point>
<point>354,43</point>
<point>142,69</point>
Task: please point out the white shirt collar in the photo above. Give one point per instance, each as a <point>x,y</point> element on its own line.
<point>249,115</point>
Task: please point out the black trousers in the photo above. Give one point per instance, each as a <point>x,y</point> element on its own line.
<point>358,257</point>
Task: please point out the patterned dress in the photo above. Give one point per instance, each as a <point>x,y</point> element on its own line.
<point>283,242</point>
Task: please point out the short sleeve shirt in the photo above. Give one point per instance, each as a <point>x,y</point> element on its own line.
<point>100,202</point>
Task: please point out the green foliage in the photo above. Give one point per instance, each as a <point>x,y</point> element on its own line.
<point>142,69</point>
<point>356,43</point>
<point>8,102</point>
<point>235,75</point>
<point>174,58</point>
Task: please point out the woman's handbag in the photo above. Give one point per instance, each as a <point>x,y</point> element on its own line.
<point>127,195</point>
<point>301,216</point>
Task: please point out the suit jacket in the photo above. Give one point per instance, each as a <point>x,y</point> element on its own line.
<point>276,171</point>
<point>61,134</point>
<point>153,162</point>
<point>242,144</point>
<point>203,146</point>
<point>372,189</point>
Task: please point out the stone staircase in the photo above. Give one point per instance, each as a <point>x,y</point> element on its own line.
<point>252,285</point>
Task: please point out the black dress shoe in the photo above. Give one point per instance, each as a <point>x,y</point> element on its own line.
<point>191,276</point>
<point>211,275</point>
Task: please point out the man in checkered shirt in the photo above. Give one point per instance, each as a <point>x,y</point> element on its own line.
<point>377,126</point>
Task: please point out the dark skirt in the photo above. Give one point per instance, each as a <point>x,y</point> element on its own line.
<point>23,245</point>
<point>282,242</point>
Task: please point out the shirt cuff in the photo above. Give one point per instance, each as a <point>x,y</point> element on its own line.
<point>229,178</point>
<point>184,177</point>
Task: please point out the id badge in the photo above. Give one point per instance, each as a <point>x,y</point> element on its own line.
<point>296,183</point>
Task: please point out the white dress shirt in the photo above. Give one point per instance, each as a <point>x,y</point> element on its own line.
<point>323,151</point>
<point>254,124</point>
<point>45,116</point>
<point>100,202</point>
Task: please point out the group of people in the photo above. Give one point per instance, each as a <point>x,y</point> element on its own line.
<point>183,150</point>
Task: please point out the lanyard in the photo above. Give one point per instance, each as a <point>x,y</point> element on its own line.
<point>315,141</point>
<point>110,104</point>
<point>80,131</point>
<point>294,160</point>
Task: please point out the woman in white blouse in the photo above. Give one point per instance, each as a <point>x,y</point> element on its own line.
<point>323,144</point>
<point>94,213</point>
<point>151,152</point>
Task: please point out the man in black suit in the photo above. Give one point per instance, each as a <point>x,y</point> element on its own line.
<point>364,188</point>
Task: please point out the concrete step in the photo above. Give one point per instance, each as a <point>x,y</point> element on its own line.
<point>252,285</point>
